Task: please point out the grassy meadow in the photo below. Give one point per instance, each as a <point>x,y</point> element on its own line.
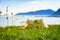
<point>31,33</point>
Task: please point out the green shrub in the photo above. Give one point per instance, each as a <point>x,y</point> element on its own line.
<point>33,33</point>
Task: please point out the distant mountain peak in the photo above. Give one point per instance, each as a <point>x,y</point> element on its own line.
<point>58,9</point>
<point>57,13</point>
<point>50,9</point>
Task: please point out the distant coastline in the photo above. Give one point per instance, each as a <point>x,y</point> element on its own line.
<point>48,12</point>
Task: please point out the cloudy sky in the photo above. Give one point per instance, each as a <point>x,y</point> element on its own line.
<point>17,6</point>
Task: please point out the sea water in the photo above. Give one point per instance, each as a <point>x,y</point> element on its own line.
<point>19,20</point>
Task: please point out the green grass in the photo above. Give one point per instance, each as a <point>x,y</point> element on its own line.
<point>32,33</point>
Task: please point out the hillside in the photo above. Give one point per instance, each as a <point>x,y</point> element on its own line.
<point>39,12</point>
<point>57,13</point>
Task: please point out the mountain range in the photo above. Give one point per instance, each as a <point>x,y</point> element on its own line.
<point>57,13</point>
<point>47,12</point>
<point>39,12</point>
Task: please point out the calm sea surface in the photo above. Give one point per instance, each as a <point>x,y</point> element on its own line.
<point>21,19</point>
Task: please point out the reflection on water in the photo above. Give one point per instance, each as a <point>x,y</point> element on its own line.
<point>20,20</point>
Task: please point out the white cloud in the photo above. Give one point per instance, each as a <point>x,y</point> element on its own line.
<point>42,5</point>
<point>35,5</point>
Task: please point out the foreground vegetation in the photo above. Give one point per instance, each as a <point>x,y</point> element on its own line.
<point>31,33</point>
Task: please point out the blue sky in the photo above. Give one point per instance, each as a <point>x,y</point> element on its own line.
<point>16,6</point>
